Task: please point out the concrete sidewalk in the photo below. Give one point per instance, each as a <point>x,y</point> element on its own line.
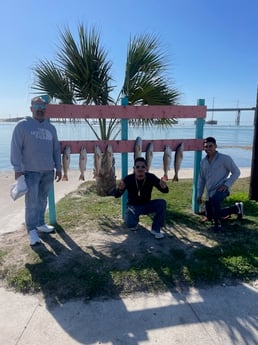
<point>219,315</point>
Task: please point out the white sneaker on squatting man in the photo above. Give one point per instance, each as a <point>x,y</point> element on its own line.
<point>34,237</point>
<point>45,228</point>
<point>157,235</point>
<point>240,207</point>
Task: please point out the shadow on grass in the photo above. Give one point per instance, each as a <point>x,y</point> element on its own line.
<point>231,254</point>
<point>115,261</point>
<point>138,263</point>
<point>66,271</point>
<point>190,255</point>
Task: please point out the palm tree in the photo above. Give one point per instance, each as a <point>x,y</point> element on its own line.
<point>144,83</point>
<point>81,74</point>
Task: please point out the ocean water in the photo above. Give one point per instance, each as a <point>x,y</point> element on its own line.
<point>234,141</point>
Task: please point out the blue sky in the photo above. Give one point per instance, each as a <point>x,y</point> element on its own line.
<point>211,45</point>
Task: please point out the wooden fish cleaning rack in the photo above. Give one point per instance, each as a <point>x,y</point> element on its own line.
<point>125,146</point>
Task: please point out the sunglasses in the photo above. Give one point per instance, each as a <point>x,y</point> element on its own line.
<point>140,167</point>
<point>39,106</point>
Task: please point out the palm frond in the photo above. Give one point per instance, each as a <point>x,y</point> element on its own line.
<point>86,66</point>
<point>51,80</point>
<point>144,82</point>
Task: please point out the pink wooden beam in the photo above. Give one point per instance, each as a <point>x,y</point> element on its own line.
<point>63,111</point>
<point>124,146</point>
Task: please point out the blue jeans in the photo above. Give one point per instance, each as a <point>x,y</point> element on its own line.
<point>39,184</point>
<point>213,207</point>
<point>156,207</point>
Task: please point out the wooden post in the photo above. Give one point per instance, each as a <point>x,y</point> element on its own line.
<point>51,201</point>
<point>253,190</point>
<point>197,159</point>
<point>52,206</point>
<point>124,156</point>
<point>238,117</point>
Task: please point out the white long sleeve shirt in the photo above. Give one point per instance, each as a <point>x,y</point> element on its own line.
<point>222,170</point>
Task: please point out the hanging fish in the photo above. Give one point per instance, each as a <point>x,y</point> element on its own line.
<point>167,157</point>
<point>149,155</point>
<point>82,162</point>
<point>66,162</point>
<point>97,161</point>
<point>107,162</point>
<point>178,160</point>
<point>138,147</point>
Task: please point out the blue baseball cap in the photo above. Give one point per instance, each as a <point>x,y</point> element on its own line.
<point>42,98</point>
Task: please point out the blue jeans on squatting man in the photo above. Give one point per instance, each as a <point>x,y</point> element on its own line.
<point>39,184</point>
<point>156,207</point>
<point>213,207</point>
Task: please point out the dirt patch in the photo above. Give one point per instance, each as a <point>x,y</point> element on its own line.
<point>88,242</point>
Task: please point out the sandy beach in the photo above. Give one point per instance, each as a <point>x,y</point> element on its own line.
<point>12,212</point>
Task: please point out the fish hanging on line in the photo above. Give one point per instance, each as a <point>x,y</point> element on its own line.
<point>137,148</point>
<point>97,161</point>
<point>178,160</point>
<point>106,179</point>
<point>66,162</point>
<point>167,157</point>
<point>107,162</point>
<point>82,162</point>
<point>149,155</point>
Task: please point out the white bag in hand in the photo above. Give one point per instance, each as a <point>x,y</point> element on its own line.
<point>19,188</point>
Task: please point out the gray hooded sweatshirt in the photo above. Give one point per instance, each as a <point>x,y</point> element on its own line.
<point>35,146</point>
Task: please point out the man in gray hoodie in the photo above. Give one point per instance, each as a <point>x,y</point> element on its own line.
<point>35,153</point>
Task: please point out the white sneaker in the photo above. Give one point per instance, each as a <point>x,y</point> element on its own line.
<point>240,207</point>
<point>34,237</point>
<point>157,235</point>
<point>46,228</point>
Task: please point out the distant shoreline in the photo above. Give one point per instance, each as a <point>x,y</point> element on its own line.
<point>184,173</point>
<point>12,119</point>
<point>67,120</point>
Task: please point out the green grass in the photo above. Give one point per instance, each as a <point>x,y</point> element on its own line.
<point>91,255</point>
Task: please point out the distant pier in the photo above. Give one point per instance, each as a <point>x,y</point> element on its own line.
<point>237,110</point>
